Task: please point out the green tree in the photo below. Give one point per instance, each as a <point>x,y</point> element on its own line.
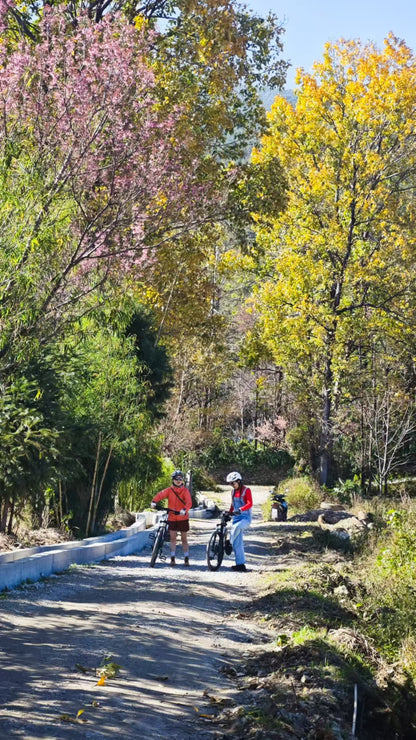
<point>28,444</point>
<point>114,396</point>
<point>339,266</point>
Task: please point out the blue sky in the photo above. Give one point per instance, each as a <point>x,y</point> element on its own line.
<point>310,24</point>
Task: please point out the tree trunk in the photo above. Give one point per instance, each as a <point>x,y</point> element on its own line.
<point>181,393</point>
<point>60,512</point>
<point>4,510</point>
<point>325,469</point>
<point>98,497</point>
<point>94,481</point>
<point>13,503</point>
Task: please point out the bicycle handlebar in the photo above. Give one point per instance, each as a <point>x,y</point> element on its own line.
<point>165,508</point>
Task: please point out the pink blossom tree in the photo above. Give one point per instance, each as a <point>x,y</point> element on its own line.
<point>94,171</point>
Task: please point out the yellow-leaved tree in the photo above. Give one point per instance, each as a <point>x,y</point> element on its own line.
<point>337,288</point>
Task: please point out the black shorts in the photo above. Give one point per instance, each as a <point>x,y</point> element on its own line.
<point>181,526</point>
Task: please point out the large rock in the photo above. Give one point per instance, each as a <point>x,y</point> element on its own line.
<point>314,514</point>
<point>347,522</point>
<point>341,523</point>
<point>332,507</point>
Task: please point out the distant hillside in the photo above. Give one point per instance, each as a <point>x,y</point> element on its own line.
<point>269,95</point>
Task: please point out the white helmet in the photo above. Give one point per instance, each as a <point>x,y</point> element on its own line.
<point>231,477</point>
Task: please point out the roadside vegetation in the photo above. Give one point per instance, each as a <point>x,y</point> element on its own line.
<point>379,572</point>
<point>343,661</point>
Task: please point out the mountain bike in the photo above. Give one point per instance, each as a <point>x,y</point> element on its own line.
<point>219,543</point>
<point>160,536</point>
<point>279,507</point>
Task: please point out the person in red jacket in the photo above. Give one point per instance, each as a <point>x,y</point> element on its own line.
<point>180,500</point>
<point>240,509</point>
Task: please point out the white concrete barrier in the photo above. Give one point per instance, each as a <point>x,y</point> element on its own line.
<point>13,555</point>
<point>201,513</point>
<point>32,563</point>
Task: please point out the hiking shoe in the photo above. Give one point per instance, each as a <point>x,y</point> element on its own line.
<point>240,568</point>
<point>186,561</point>
<point>172,561</point>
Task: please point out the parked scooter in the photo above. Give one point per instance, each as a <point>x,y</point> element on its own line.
<point>279,507</point>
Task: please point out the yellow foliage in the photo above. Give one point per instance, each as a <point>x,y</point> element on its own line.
<point>233,260</point>
<point>346,240</point>
<point>140,22</point>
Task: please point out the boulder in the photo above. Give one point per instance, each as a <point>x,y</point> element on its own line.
<point>331,507</point>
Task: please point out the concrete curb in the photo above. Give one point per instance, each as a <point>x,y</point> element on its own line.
<point>32,563</point>
<point>201,513</point>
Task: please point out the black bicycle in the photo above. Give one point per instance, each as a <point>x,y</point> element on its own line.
<point>219,543</point>
<point>160,536</point>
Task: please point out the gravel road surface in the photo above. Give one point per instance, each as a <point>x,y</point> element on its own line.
<point>173,632</point>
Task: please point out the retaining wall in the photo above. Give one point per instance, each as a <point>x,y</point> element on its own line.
<point>32,563</point>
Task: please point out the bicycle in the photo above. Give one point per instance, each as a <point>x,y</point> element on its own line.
<point>160,536</point>
<point>219,543</point>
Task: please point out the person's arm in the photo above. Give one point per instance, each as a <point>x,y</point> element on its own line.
<point>249,500</point>
<point>159,496</point>
<point>188,500</point>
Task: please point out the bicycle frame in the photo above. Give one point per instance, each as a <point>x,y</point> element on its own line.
<point>217,542</point>
<point>159,536</point>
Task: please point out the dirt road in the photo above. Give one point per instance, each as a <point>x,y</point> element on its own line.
<point>174,633</point>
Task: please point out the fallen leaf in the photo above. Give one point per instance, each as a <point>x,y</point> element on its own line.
<point>66,718</point>
<point>101,681</point>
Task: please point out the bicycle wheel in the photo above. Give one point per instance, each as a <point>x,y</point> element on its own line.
<point>157,547</point>
<point>215,551</point>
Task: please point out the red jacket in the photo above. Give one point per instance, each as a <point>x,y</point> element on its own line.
<point>178,498</point>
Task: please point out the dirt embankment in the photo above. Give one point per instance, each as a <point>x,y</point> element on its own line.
<point>32,538</point>
<point>124,650</point>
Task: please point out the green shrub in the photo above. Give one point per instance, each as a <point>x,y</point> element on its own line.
<point>398,555</point>
<point>136,493</point>
<point>388,604</point>
<point>346,491</point>
<point>226,452</point>
<point>202,481</point>
<point>303,494</point>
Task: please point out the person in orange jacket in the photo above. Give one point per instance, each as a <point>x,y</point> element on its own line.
<point>180,500</point>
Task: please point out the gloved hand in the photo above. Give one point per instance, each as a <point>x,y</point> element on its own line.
<point>182,512</point>
<point>153,505</point>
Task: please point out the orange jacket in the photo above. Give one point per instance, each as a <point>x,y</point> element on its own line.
<point>178,498</point>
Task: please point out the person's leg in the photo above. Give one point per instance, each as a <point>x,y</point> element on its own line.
<point>184,538</point>
<point>237,540</point>
<point>172,537</point>
<point>185,546</point>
